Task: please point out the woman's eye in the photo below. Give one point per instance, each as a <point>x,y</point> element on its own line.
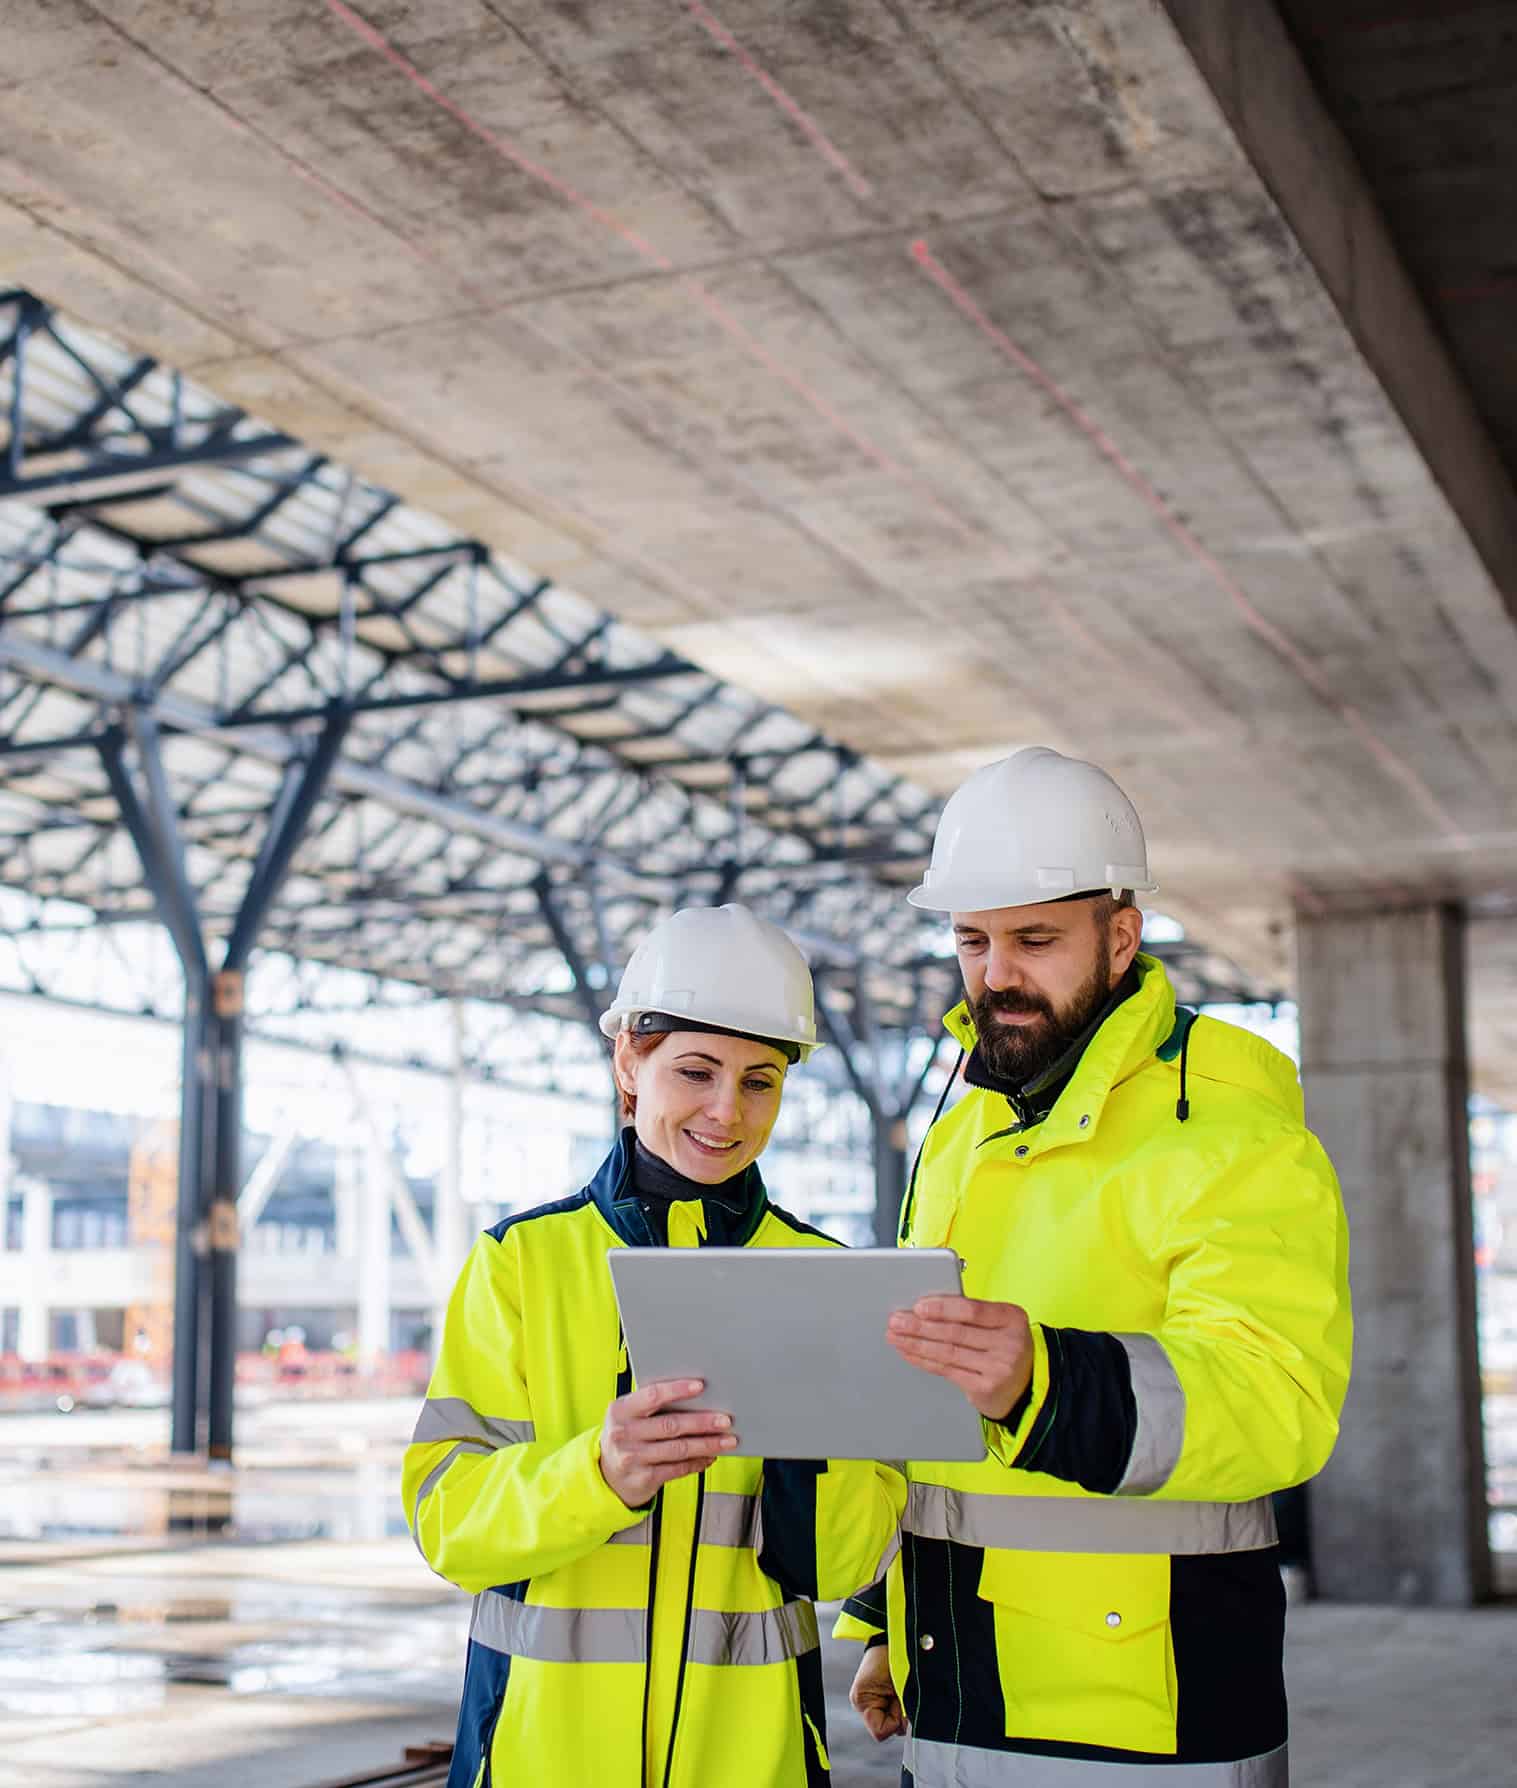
<point>760,1086</point>
<point>695,1074</point>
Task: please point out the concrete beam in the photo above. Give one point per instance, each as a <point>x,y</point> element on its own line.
<point>1247,58</point>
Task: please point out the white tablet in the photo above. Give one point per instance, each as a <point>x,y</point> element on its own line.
<point>791,1344</point>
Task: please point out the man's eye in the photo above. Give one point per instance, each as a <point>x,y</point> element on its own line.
<point>1036,943</point>
<point>971,943</point>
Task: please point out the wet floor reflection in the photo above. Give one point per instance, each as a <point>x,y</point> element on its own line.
<point>366,1507</point>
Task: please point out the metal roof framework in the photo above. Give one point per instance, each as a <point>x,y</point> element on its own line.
<point>250,695</point>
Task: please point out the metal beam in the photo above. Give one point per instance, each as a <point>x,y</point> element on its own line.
<point>549,682</point>
<point>304,784</point>
<point>100,683</point>
<point>96,482</point>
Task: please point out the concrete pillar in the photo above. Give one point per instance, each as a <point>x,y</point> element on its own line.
<point>33,1341</point>
<point>1400,1513</point>
<point>374,1257</point>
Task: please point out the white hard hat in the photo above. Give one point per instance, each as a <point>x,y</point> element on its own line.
<point>722,967</point>
<point>1034,826</point>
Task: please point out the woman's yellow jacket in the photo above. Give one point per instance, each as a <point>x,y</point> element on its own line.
<point>668,1647</point>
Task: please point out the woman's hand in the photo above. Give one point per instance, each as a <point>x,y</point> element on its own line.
<point>873,1696</point>
<point>644,1443</point>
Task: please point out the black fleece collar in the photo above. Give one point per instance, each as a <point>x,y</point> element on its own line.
<point>635,1200</point>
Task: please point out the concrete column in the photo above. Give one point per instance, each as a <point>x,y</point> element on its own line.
<point>33,1339</point>
<point>1400,1513</point>
<point>374,1275</point>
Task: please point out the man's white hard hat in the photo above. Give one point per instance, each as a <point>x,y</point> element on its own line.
<point>1031,827</point>
<point>722,967</point>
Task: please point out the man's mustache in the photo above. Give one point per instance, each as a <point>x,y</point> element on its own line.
<point>1013,1002</point>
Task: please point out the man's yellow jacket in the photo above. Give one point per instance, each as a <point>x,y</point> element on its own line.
<point>672,1646</point>
<point>1104,1589</point>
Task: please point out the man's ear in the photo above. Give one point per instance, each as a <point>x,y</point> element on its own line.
<point>1126,935</point>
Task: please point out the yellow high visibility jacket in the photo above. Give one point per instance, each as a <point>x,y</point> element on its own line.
<point>1105,1588</point>
<point>666,1647</point>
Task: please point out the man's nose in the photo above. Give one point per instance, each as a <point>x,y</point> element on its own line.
<point>1002,972</point>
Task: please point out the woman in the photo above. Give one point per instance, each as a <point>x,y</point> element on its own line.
<point>639,1618</point>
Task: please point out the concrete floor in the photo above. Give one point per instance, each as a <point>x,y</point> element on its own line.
<point>306,1640</point>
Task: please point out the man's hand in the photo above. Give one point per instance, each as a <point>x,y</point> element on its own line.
<point>873,1696</point>
<point>641,1448</point>
<point>985,1348</point>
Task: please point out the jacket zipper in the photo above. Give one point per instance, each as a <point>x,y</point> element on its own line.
<point>684,1655</point>
<point>656,1521</point>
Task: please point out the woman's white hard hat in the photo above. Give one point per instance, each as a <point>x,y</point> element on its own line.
<point>1031,827</point>
<point>722,967</point>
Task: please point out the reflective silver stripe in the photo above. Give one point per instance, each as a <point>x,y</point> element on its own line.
<point>730,1519</point>
<point>616,1635</point>
<point>934,1765</point>
<point>558,1635</point>
<point>887,1557</point>
<point>1161,1417</point>
<point>1087,1524</point>
<point>451,1418</point>
<point>767,1637</point>
<point>430,1482</point>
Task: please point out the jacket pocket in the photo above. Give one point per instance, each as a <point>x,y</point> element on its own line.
<point>1083,1647</point>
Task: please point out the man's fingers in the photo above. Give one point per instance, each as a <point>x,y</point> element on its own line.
<point>942,1356</point>
<point>980,1313</point>
<point>961,1334</point>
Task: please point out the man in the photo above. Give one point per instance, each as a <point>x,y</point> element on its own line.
<point>1156,1331</point>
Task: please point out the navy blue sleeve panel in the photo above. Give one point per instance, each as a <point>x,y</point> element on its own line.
<point>869,1605</point>
<point>787,1516</point>
<point>1085,1430</point>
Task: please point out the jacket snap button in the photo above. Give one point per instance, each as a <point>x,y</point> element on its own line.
<point>1020,1150</point>
<point>926,1642</point>
<point>1114,1619</point>
<point>1085,1121</point>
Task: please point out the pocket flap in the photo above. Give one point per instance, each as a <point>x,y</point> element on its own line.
<point>1104,1595</point>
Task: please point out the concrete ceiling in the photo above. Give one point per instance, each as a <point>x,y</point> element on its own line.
<point>956,375</point>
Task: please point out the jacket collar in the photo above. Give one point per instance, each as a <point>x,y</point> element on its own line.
<point>1128,1038</point>
<point>732,1212</point>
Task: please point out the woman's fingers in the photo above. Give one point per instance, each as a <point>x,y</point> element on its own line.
<point>652,1429</point>
<point>667,1452</point>
<point>650,1397</point>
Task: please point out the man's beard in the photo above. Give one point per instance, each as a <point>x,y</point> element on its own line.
<point>1020,1053</point>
